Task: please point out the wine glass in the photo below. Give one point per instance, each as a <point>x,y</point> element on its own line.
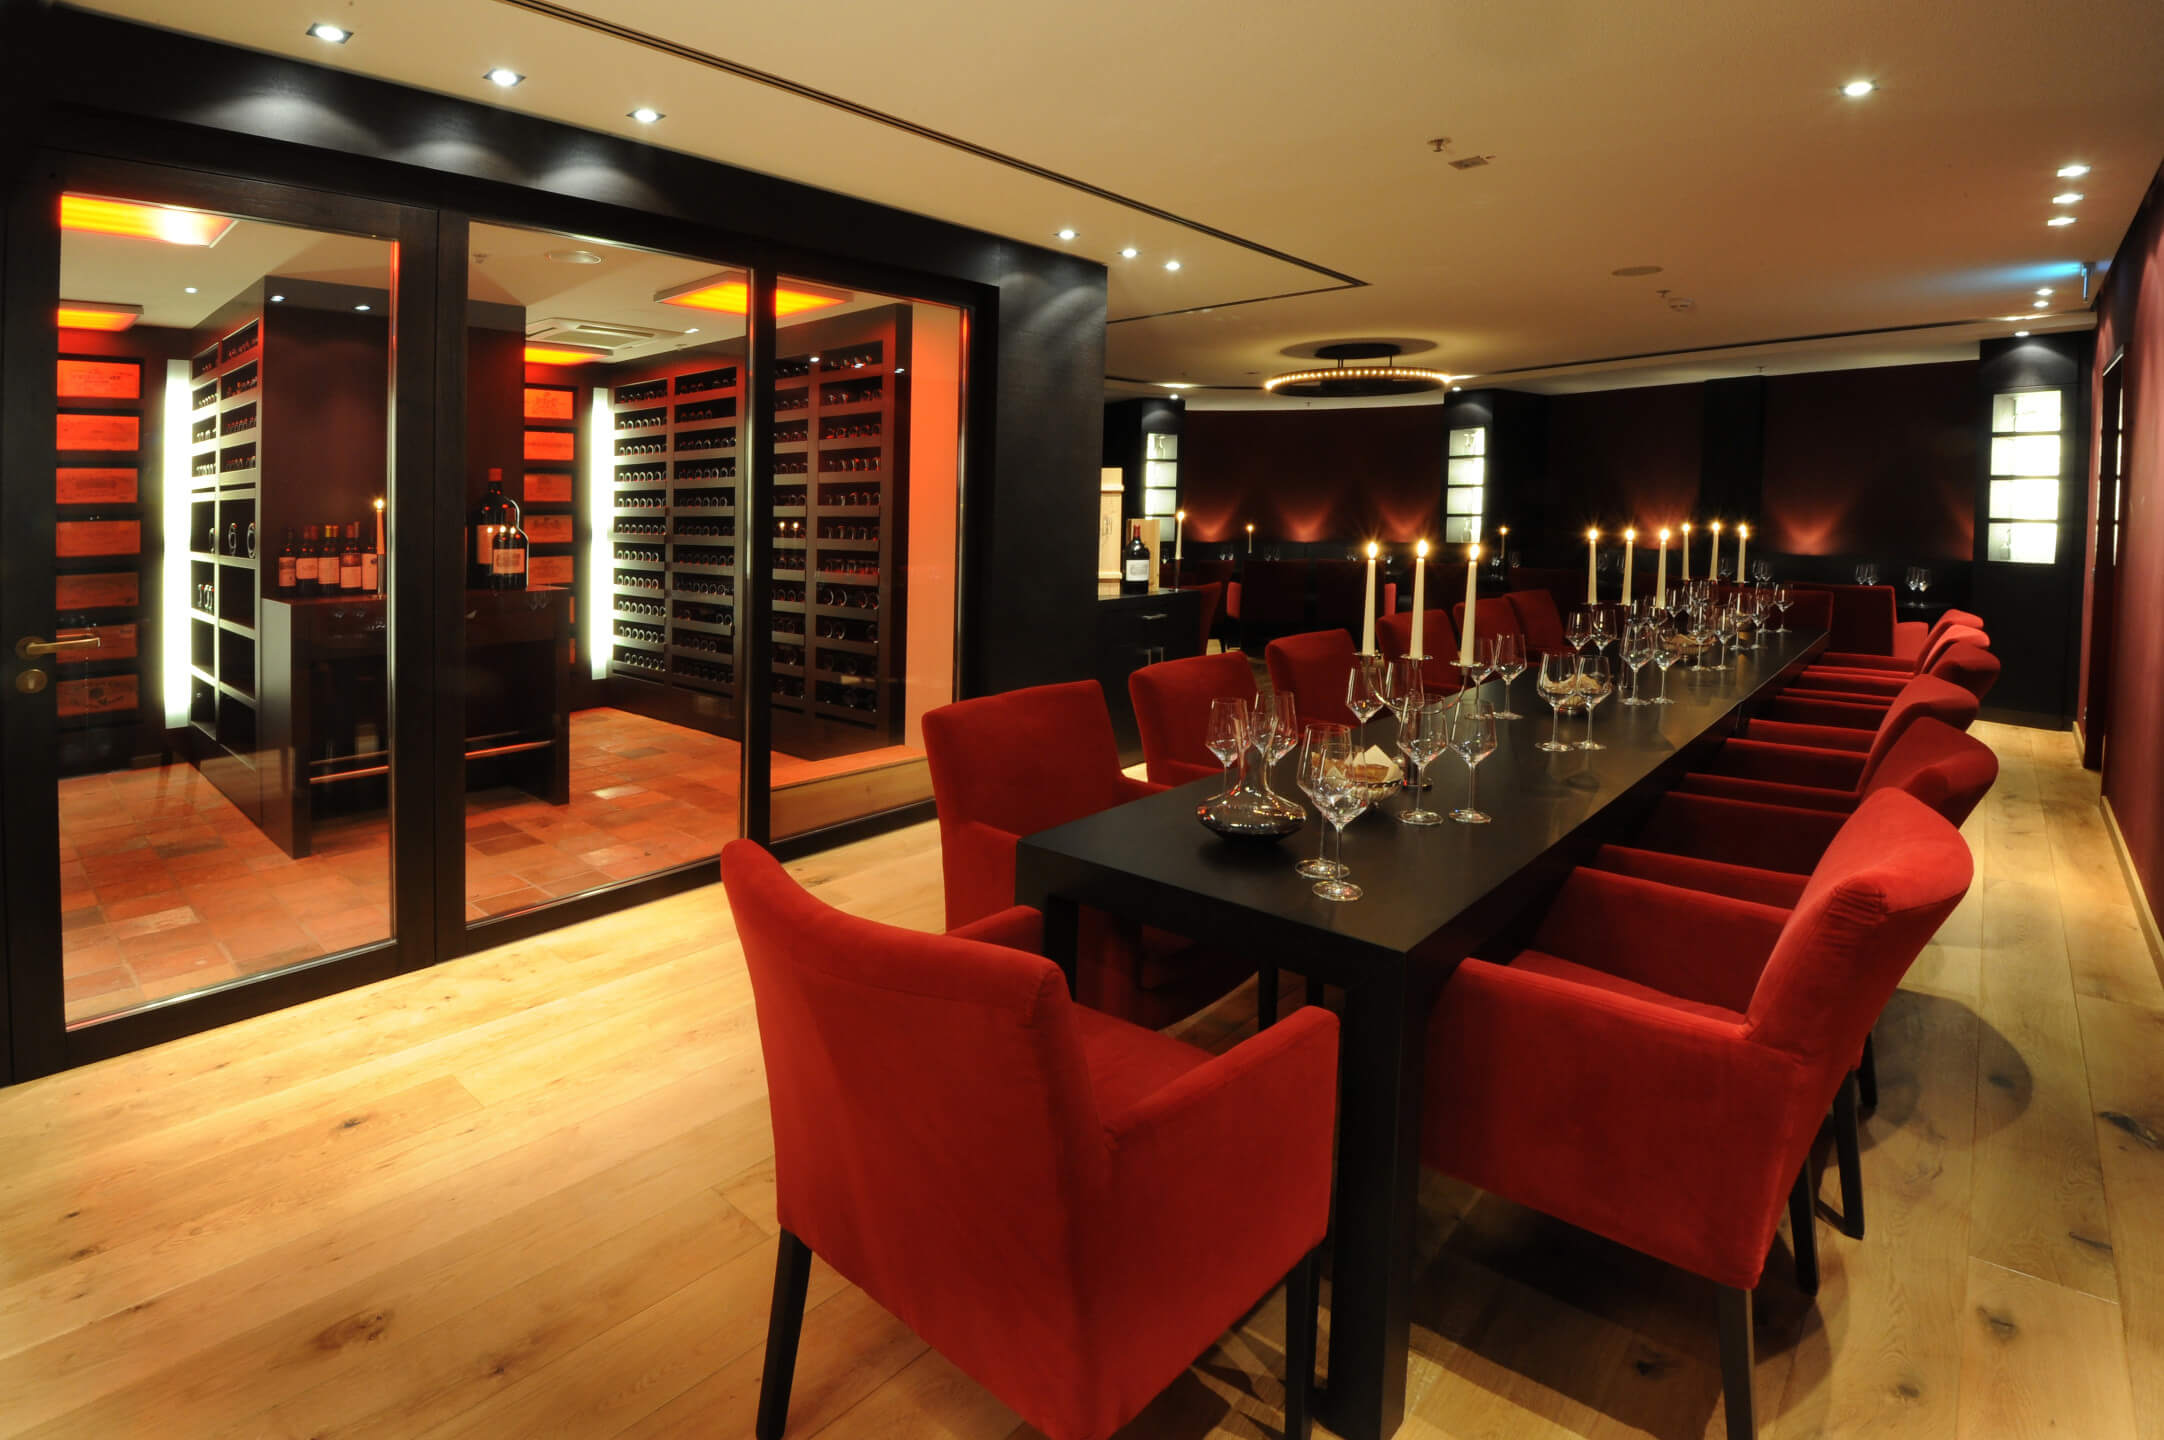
<point>1727,621</point>
<point>1364,694</point>
<point>1762,571</point>
<point>1273,729</point>
<point>1225,733</point>
<point>1472,737</point>
<point>1506,657</point>
<point>1403,688</point>
<point>1596,682</point>
<point>1423,735</point>
<point>1340,794</point>
<point>1476,672</point>
<point>1638,646</point>
<point>1779,598</point>
<point>1558,686</point>
<point>1580,628</point>
<point>1668,647</point>
<point>1603,636</point>
<point>1319,732</point>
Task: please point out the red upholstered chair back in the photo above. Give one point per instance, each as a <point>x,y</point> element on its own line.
<point>1340,587</point>
<point>1893,873</point>
<point>1172,711</point>
<point>1947,770</point>
<point>1203,572</point>
<point>1313,669</point>
<point>1538,620</point>
<point>934,1127</point>
<point>1206,609</point>
<point>1026,760</point>
<point>1811,610</point>
<point>1492,616</point>
<point>1935,650</point>
<point>1273,593</point>
<point>1972,667</point>
<point>1920,698</point>
<point>1863,619</point>
<point>1394,637</point>
<point>1950,619</point>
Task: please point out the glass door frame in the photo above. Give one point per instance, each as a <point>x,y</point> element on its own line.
<point>33,1031</point>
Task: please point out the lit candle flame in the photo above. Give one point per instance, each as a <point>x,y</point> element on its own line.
<point>1420,548</point>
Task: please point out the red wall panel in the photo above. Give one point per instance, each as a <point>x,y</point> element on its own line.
<point>1625,457</point>
<point>1313,474</point>
<point>1864,461</point>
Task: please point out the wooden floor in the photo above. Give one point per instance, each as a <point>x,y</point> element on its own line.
<point>530,1193</point>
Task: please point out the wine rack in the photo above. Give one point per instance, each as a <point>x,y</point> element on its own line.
<point>107,438</point>
<point>548,496</point>
<point>224,496</point>
<point>834,592</point>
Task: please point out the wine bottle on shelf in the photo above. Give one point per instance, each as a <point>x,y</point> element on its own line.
<point>1135,565</point>
<point>371,569</point>
<point>304,565</point>
<point>349,561</point>
<point>511,554</point>
<point>289,559</point>
<point>492,519</point>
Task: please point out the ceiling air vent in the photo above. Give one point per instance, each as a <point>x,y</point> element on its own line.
<point>1471,162</point>
<point>607,335</point>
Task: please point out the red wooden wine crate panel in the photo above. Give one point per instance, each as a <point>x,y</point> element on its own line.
<point>548,487</point>
<point>543,403</point>
<point>100,380</point>
<point>548,570</point>
<point>96,592</point>
<point>98,695</point>
<point>116,642</point>
<point>549,529</point>
<point>73,539</point>
<point>97,432</point>
<point>549,444</point>
<point>80,485</point>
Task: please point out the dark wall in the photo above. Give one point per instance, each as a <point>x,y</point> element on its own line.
<point>1305,475</point>
<point>1872,461</point>
<point>1624,457</point>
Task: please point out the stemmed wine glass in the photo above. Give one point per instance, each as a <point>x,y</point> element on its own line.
<point>1472,737</point>
<point>1727,624</point>
<point>1364,694</point>
<point>1226,733</point>
<point>1782,598</point>
<point>1579,630</point>
<point>1596,682</point>
<point>1404,688</point>
<point>1603,636</point>
<point>1340,794</point>
<point>1638,646</point>
<point>1703,630</point>
<point>1506,657</point>
<point>1667,650</point>
<point>1762,570</point>
<point>1273,728</point>
<point>1319,732</point>
<point>1558,685</point>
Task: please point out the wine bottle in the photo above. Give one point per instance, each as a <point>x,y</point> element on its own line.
<point>1135,569</point>
<point>511,557</point>
<point>491,520</point>
<point>349,561</point>
<point>304,565</point>
<point>371,569</point>
<point>289,559</point>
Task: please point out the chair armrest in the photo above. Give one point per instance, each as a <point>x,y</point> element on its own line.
<point>1851,660</point>
<point>1133,789</point>
<point>1810,737</point>
<point>1740,831</point>
<point>1825,711</point>
<point>1790,764</point>
<point>1684,943</point>
<point>1168,773</point>
<point>977,861</point>
<point>1668,1131</point>
<point>1770,792</point>
<point>1854,682</point>
<point>1690,872</point>
<point>1231,1159</point>
<point>1018,927</point>
<point>1909,639</point>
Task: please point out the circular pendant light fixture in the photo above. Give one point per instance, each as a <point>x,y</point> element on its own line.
<point>1363,370</point>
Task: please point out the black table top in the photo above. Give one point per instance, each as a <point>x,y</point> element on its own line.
<point>1153,859</point>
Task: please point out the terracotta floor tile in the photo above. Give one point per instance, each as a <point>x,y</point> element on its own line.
<point>168,918</point>
<point>519,899</point>
<point>187,960</point>
<point>144,905</point>
<point>182,982</point>
<point>97,982</point>
<point>252,942</point>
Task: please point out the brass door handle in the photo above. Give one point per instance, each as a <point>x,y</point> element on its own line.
<point>29,647</point>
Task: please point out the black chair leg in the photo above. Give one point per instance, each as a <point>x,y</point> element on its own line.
<point>1803,1229</point>
<point>792,1273</point>
<point>1314,991</point>
<point>1300,1308</point>
<point>1736,1362</point>
<point>1867,1076</point>
<point>1848,1149</point>
<point>1265,997</point>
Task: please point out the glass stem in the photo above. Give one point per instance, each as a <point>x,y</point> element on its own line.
<point>1555,731</point>
<point>1472,788</point>
<point>1412,780</point>
<point>1322,840</point>
<point>1589,723</point>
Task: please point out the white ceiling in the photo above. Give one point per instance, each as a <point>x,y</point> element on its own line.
<point>1708,139</point>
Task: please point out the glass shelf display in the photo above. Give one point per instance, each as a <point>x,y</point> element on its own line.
<point>1465,479</point>
<point>2028,453</point>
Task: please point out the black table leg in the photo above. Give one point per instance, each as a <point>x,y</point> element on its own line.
<point>1381,1073</point>
<point>1062,927</point>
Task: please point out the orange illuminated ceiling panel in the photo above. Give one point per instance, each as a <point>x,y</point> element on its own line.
<point>95,315</point>
<point>562,354</point>
<point>142,222</point>
<point>730,293</point>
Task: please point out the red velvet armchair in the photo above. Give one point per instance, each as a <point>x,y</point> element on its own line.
<point>1172,711</point>
<point>1701,1068</point>
<point>1492,616</point>
<point>1062,1204</point>
<point>1313,668</point>
<point>1860,618</point>
<point>1539,621</point>
<point>1394,637</point>
<point>1828,757</point>
<point>1911,652</point>
<point>1973,667</point>
<point>1005,766</point>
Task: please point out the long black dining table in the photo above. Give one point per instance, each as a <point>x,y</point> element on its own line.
<point>1433,896</point>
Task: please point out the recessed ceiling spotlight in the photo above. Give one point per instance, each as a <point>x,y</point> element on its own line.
<point>1129,253</point>
<point>1857,89</point>
<point>646,114</point>
<point>2021,334</point>
<point>901,369</point>
<point>1067,234</point>
<point>1177,384</point>
<point>2043,304</point>
<point>361,307</point>
<point>2072,172</point>
<point>2060,220</point>
<point>277,299</point>
<point>2043,289</point>
<point>1172,264</point>
<point>2067,197</point>
<point>335,34</point>
<point>574,257</point>
<point>503,78</point>
<point>187,289</point>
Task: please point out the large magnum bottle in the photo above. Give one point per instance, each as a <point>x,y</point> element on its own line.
<point>511,553</point>
<point>493,519</point>
<point>1135,565</point>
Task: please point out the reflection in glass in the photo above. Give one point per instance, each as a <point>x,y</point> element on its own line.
<point>2022,542</point>
<point>1469,440</point>
<point>2027,411</point>
<point>2025,455</point>
<point>2025,499</point>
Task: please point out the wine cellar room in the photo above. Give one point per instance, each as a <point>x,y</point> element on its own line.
<point>223,389</point>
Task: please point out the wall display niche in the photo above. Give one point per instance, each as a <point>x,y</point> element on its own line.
<point>1465,484</point>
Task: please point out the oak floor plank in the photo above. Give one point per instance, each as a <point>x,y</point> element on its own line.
<point>2125,1047</point>
<point>2040,1359</point>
